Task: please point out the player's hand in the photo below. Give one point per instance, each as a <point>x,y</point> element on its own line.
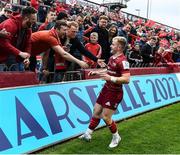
<point>105,76</point>
<point>92,73</point>
<point>83,64</point>
<point>101,63</point>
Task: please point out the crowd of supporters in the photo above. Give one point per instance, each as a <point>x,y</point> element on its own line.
<point>85,32</point>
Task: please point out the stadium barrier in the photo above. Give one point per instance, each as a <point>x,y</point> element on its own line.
<point>139,71</point>
<point>34,117</point>
<point>14,79</point>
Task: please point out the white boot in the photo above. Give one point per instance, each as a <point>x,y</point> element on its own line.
<point>87,135</point>
<point>115,140</point>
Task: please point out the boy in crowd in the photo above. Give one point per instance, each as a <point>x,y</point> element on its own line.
<point>94,48</point>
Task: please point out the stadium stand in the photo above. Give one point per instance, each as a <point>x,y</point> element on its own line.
<point>140,28</point>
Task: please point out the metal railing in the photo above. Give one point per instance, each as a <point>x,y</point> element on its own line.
<point>143,65</point>
<point>51,77</point>
<point>13,67</point>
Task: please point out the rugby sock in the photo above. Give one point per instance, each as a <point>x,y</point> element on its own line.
<point>113,127</point>
<point>89,131</point>
<point>94,123</point>
<point>116,134</point>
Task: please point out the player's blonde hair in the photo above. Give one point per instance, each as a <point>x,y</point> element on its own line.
<point>122,41</point>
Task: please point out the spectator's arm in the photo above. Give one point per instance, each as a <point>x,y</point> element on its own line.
<point>88,30</point>
<point>69,57</point>
<point>99,52</point>
<point>85,38</point>
<point>85,52</point>
<point>5,44</point>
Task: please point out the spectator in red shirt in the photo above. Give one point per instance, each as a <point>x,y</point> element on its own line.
<point>158,58</point>
<point>43,41</point>
<point>17,43</point>
<point>59,7</point>
<point>94,48</point>
<point>35,4</point>
<point>167,56</point>
<point>164,55</point>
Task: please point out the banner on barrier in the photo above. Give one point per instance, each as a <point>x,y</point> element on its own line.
<point>34,117</point>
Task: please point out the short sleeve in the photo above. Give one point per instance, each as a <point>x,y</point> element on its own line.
<point>124,65</point>
<point>53,41</point>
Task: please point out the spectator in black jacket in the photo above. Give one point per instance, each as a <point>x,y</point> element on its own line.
<point>103,38</point>
<point>147,51</point>
<point>74,44</point>
<point>134,56</point>
<point>176,53</point>
<point>143,40</point>
<point>123,32</point>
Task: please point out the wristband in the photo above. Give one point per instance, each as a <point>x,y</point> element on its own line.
<point>113,79</point>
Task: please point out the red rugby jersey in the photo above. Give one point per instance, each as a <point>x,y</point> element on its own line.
<point>116,67</point>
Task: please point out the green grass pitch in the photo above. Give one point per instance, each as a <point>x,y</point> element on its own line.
<point>155,132</point>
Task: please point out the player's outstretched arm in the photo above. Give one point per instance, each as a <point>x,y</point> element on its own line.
<point>97,72</point>
<point>124,79</point>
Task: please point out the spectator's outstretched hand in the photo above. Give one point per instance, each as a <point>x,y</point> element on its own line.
<point>101,63</point>
<point>92,73</point>
<point>24,55</point>
<point>26,62</point>
<point>83,64</point>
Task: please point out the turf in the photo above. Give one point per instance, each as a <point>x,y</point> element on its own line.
<point>156,132</point>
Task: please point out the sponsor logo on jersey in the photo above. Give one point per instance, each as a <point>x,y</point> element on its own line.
<point>107,103</point>
<point>125,64</point>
